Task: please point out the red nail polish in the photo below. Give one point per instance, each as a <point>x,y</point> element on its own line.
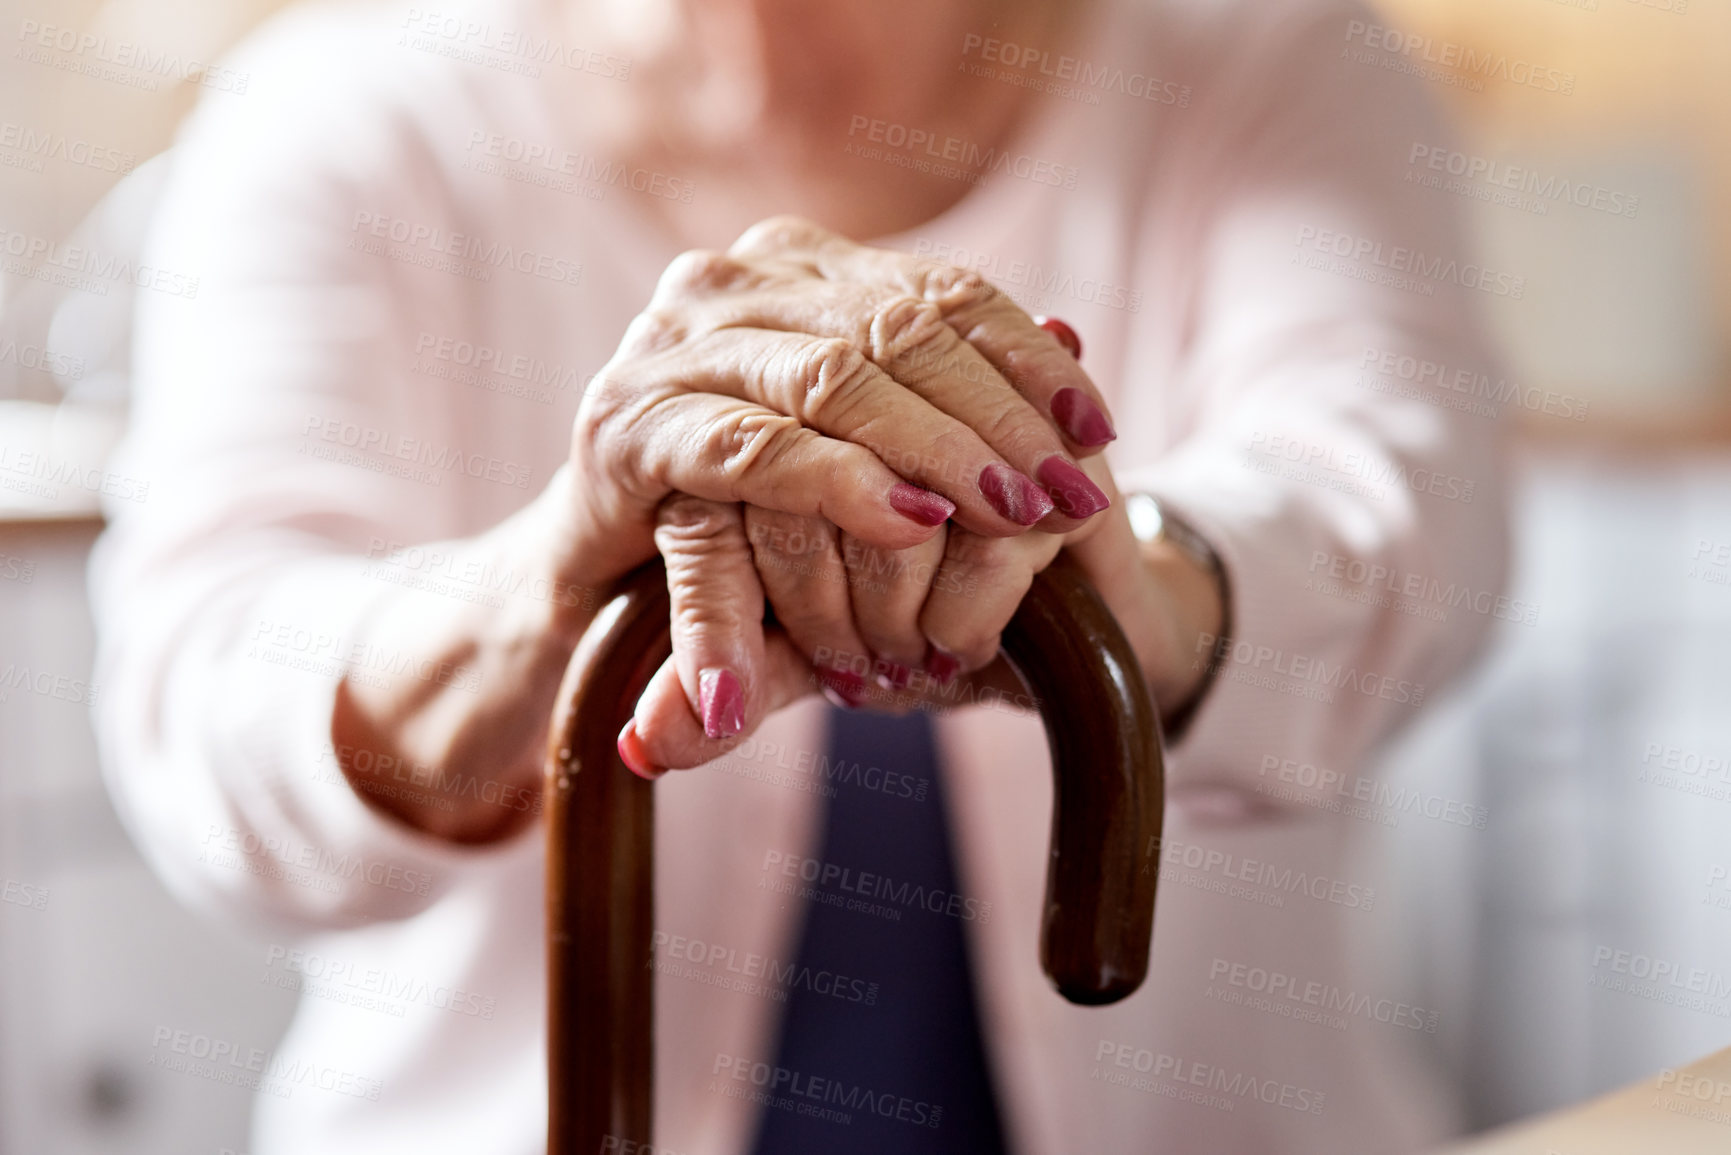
<point>1015,497</point>
<point>921,505</point>
<point>1074,494</point>
<point>895,676</point>
<point>843,688</point>
<point>722,700</point>
<point>941,664</point>
<point>635,757</point>
<point>1078,416</point>
<point>1066,336</point>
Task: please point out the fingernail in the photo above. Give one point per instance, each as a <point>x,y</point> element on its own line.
<point>722,700</point>
<point>1070,488</point>
<point>843,688</point>
<point>941,664</point>
<point>895,676</point>
<point>1014,496</point>
<point>635,757</point>
<point>1066,336</point>
<point>1078,416</point>
<point>921,505</point>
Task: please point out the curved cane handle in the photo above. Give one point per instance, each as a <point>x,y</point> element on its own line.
<point>1108,800</point>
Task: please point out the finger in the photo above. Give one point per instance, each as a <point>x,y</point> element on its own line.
<point>800,565</point>
<point>724,449</point>
<point>979,586</point>
<point>805,395</point>
<point>889,589</point>
<point>664,734</point>
<point>1035,363</point>
<point>716,609</point>
<point>910,341</point>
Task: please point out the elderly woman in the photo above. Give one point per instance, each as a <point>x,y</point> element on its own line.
<point>495,304</point>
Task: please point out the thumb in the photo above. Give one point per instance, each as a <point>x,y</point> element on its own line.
<point>717,608</point>
<point>717,626</point>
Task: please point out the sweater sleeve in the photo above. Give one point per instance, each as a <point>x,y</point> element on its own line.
<point>281,447</point>
<point>1328,324</point>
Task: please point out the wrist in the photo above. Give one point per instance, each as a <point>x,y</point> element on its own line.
<point>568,560</point>
<point>1183,575</point>
<point>1192,610</point>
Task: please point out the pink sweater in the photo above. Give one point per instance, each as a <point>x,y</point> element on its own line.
<point>408,269</point>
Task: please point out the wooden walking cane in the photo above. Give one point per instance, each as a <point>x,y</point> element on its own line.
<point>1108,799</point>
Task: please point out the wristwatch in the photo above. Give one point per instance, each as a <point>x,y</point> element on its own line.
<point>1151,522</point>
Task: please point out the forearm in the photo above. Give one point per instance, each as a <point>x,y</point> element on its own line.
<point>470,739</point>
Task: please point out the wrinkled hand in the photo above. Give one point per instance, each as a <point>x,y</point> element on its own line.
<point>886,403</point>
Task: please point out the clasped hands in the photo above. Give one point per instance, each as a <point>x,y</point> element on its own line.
<point>880,449</point>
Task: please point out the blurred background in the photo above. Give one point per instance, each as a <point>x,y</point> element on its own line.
<point>1595,738</point>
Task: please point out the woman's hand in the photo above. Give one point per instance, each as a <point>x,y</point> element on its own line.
<point>806,376</point>
<point>797,372</point>
<point>891,629</point>
<point>801,373</point>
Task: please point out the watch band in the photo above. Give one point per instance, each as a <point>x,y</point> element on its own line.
<point>1152,522</point>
